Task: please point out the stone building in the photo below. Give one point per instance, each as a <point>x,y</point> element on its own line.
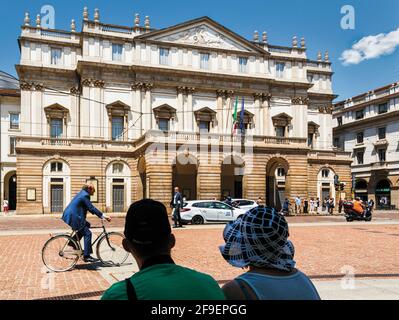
<point>10,108</point>
<point>137,111</point>
<point>368,126</point>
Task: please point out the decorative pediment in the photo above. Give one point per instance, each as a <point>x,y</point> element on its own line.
<point>118,108</point>
<point>164,111</point>
<point>313,127</point>
<point>248,116</point>
<point>282,119</point>
<point>203,32</point>
<point>205,114</point>
<point>56,111</point>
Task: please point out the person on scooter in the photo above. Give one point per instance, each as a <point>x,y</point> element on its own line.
<point>358,206</point>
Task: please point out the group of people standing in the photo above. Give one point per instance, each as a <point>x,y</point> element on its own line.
<point>310,206</point>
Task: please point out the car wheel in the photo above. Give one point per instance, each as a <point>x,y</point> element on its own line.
<point>197,220</point>
<point>349,219</point>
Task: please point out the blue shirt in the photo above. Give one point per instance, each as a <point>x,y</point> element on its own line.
<point>292,287</point>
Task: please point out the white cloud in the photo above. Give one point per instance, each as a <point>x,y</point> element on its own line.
<point>371,47</point>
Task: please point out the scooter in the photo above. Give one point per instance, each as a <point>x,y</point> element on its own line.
<point>352,215</point>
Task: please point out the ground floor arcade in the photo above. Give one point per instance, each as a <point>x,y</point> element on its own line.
<point>47,181</point>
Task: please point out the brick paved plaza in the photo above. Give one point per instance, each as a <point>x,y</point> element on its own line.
<point>324,245</point>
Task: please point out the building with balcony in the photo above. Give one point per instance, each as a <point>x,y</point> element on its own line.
<point>367,126</point>
<point>137,111</point>
<point>10,108</point>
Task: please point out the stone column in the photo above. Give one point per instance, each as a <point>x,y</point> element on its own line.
<point>300,117</point>
<point>138,108</point>
<point>220,116</point>
<point>159,179</point>
<point>258,114</point>
<point>85,109</point>
<point>228,109</point>
<point>147,117</point>
<point>181,114</point>
<point>190,109</point>
<point>267,125</point>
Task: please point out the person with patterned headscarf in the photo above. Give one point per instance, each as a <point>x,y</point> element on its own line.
<point>259,242</point>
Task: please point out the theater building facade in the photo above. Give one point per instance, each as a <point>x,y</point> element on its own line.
<point>137,111</point>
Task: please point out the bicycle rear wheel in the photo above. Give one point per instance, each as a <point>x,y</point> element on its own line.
<point>61,253</point>
<point>110,250</point>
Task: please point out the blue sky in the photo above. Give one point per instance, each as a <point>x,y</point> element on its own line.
<point>319,21</point>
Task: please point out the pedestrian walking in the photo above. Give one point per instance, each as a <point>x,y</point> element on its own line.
<point>312,205</point>
<point>340,205</point>
<point>177,204</point>
<point>297,205</point>
<point>318,207</point>
<point>305,206</point>
<point>5,206</point>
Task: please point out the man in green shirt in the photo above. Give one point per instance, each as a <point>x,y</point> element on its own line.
<point>148,237</point>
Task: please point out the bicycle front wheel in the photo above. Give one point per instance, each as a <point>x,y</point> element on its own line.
<point>110,249</point>
<point>61,253</point>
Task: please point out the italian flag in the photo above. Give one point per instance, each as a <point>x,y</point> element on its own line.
<point>235,123</point>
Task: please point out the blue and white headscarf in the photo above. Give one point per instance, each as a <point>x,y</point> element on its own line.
<point>259,238</point>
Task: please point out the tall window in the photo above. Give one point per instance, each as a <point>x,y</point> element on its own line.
<point>204,61</point>
<point>164,56</point>
<point>280,66</point>
<point>360,137</point>
<point>310,139</point>
<point>339,120</point>
<point>14,120</point>
<point>163,124</point>
<point>117,128</point>
<point>117,52</point>
<point>382,108</point>
<point>382,133</point>
<point>13,143</point>
<point>56,128</point>
<point>243,64</point>
<point>204,126</point>
<point>56,56</point>
<point>280,131</point>
<point>382,155</point>
<point>360,114</point>
<point>56,167</point>
<point>336,142</point>
<point>360,157</point>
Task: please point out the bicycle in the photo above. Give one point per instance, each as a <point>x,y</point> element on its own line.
<point>61,252</point>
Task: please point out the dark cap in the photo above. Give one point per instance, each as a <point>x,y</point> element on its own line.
<point>147,222</point>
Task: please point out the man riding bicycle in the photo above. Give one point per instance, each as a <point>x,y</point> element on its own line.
<point>75,216</point>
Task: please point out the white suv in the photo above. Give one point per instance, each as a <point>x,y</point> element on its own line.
<point>202,211</point>
<point>244,204</point>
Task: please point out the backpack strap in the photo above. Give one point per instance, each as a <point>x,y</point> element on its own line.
<point>131,292</point>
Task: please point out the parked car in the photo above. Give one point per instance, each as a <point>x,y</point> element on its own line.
<point>203,211</point>
<point>244,204</point>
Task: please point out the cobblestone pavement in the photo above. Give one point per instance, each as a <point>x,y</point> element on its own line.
<point>323,252</point>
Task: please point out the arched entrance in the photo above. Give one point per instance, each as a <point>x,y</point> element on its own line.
<point>232,175</point>
<point>383,194</point>
<point>361,189</point>
<point>276,184</point>
<point>143,183</point>
<point>117,187</point>
<point>325,186</point>
<point>185,175</point>
<point>10,189</point>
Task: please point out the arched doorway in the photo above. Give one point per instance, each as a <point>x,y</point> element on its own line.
<point>10,189</point>
<point>361,189</point>
<point>143,183</point>
<point>325,186</point>
<point>185,175</point>
<point>232,175</point>
<point>117,188</point>
<point>383,194</point>
<point>56,186</point>
<point>276,184</point>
